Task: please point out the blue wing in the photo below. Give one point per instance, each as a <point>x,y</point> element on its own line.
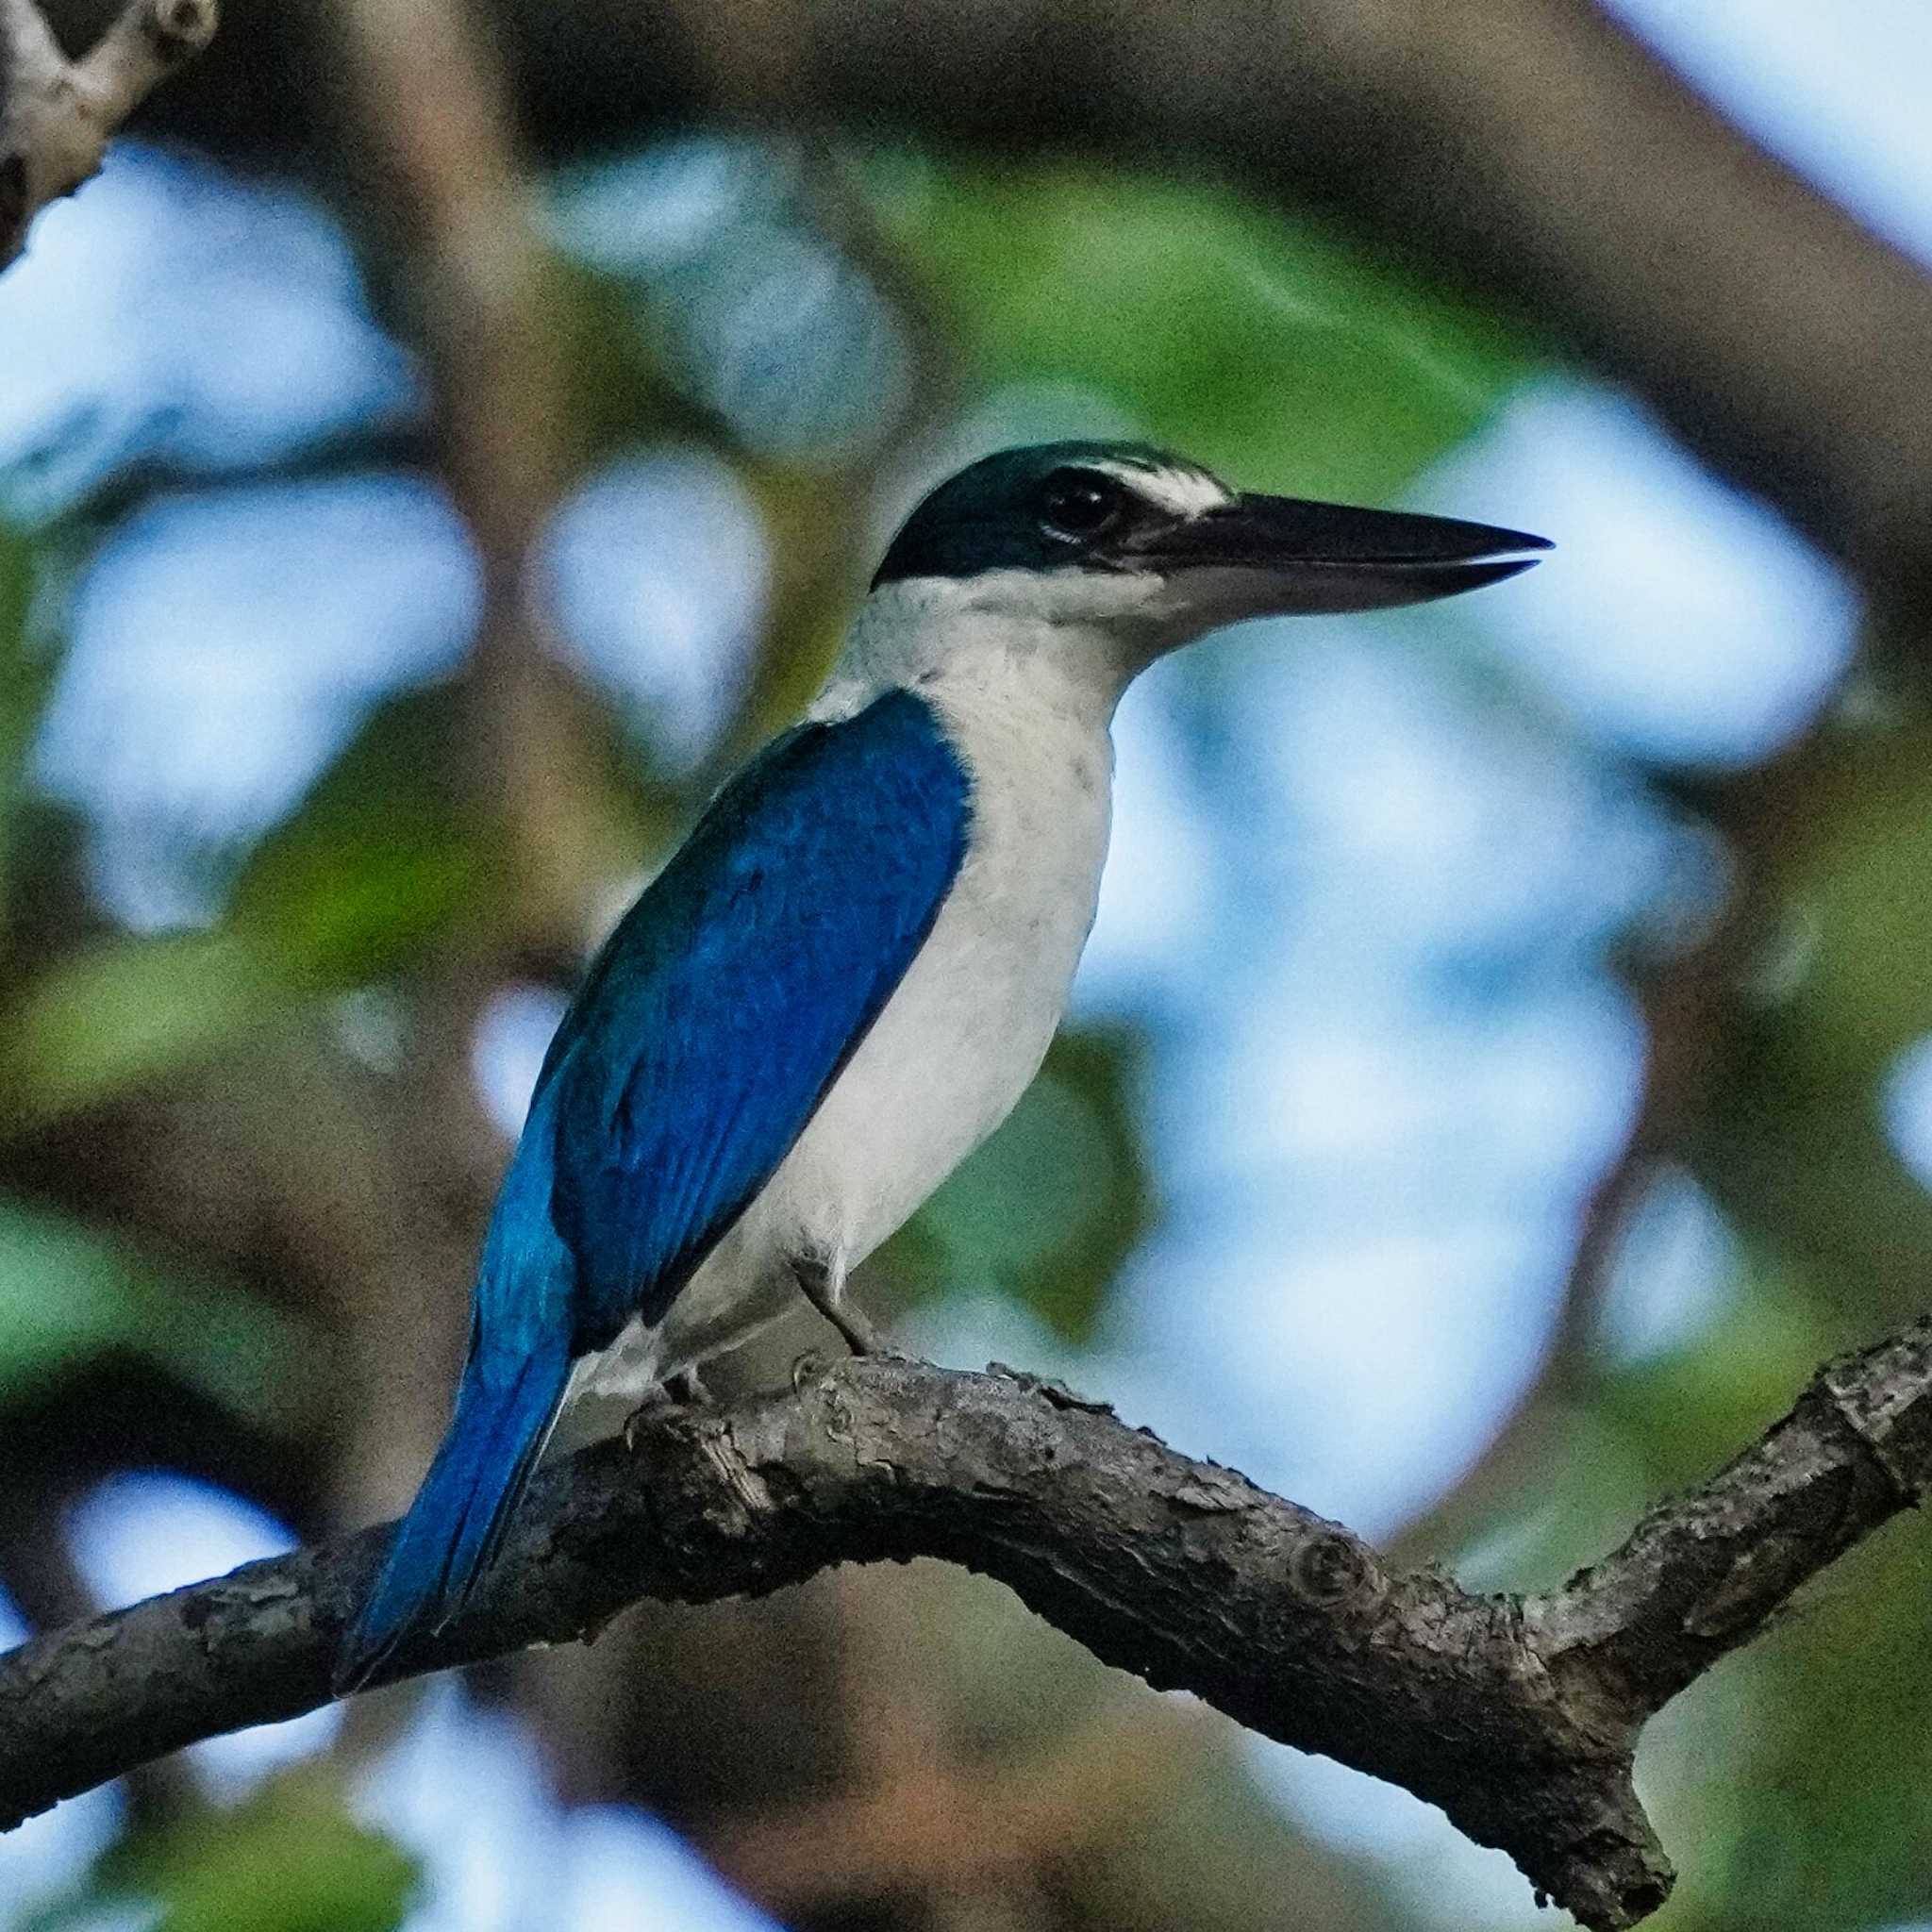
<point>708,1032</point>
<point>731,994</point>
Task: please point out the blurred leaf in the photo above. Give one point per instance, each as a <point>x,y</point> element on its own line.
<point>371,866</point>
<point>752,320</point>
<point>1626,1435</point>
<point>1817,1743</point>
<point>1056,1200</point>
<point>1859,872</point>
<point>23,686</point>
<point>1794,1143</point>
<point>1794,1150</point>
<point>1685,1414</point>
<point>289,1858</point>
<point>374,859</point>
<point>124,1010</point>
<point>1267,348</point>
<point>68,1290</point>
<point>621,393</point>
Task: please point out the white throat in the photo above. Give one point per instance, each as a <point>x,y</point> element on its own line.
<point>1067,644</point>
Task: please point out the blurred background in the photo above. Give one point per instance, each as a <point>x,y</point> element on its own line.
<point>1501,1071</point>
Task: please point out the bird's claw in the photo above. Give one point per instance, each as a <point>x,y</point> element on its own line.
<point>810,1366</point>
<point>852,1323</point>
<point>681,1389</point>
<point>685,1390</point>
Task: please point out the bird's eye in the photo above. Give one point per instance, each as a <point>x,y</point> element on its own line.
<point>1079,503</point>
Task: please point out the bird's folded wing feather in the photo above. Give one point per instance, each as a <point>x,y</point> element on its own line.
<point>728,1001</point>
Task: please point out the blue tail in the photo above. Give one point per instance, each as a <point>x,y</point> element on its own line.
<point>457,1523</point>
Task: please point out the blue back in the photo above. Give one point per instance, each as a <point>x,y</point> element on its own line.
<point>717,1016</point>
<point>710,1026</point>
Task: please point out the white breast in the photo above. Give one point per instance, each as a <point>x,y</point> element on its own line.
<point>958,1041</point>
<point>965,1032</point>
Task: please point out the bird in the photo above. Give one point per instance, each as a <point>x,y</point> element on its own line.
<point>851,970</point>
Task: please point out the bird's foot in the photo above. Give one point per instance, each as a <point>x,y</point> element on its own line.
<point>687,1390</point>
<point>851,1322</point>
<point>815,1366</point>
<point>675,1391</point>
<point>822,1284</point>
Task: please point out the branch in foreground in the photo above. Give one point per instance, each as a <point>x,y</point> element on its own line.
<point>1519,1716</point>
<point>57,114</point>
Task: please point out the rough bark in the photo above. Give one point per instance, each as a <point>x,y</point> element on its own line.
<point>57,114</point>
<point>1518,1715</point>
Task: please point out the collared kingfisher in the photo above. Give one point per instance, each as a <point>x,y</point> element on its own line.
<point>846,976</point>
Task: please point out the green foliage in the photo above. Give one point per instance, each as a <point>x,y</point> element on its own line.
<point>289,1858</point>
<point>68,1290</point>
<point>1859,885</point>
<point>1271,348</point>
<point>1057,1199</point>
<point>377,860</point>
<point>620,392</point>
<point>1839,1756</point>
<point>1684,1414</point>
<point>124,1010</point>
<point>23,685</point>
<point>1792,1783</point>
<point>289,1861</point>
<point>375,865</point>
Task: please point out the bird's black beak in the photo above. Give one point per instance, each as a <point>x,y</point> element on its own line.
<point>1295,557</point>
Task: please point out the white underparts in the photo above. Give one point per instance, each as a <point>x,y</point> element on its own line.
<point>1027,708</point>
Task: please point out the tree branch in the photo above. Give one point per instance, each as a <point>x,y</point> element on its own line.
<point>1531,148</point>
<point>1519,1716</point>
<point>57,114</point>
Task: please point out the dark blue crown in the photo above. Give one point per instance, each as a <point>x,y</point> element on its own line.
<point>996,514</point>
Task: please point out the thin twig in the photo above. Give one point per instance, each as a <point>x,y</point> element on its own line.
<point>1689,1004</point>
<point>58,115</point>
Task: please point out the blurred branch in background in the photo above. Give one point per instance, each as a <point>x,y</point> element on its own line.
<point>743,349</point>
<point>425,112</point>
<point>1693,1002</point>
<point>433,112</point>
<point>1519,1717</point>
<point>1529,149</point>
<point>947,1833</point>
<point>56,115</point>
<point>819,516</point>
<point>1530,146</point>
